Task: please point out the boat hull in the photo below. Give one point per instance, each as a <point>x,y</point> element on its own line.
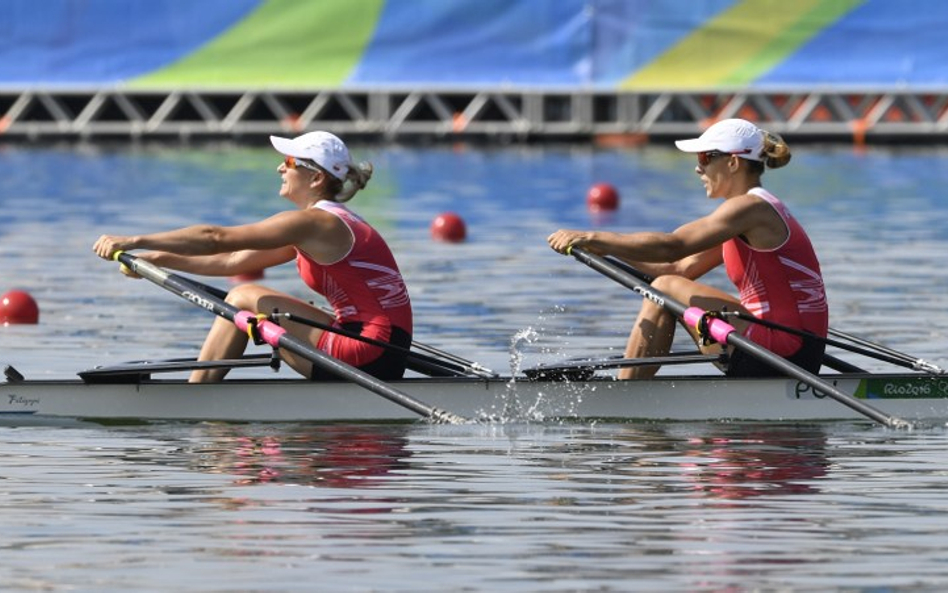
<point>909,396</point>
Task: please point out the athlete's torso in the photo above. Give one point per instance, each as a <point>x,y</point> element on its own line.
<point>364,286</point>
<point>783,285</point>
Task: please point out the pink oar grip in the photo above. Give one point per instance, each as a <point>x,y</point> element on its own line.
<point>268,331</point>
<point>718,328</point>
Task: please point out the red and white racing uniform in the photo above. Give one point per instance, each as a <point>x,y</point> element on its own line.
<point>783,285</point>
<point>365,289</point>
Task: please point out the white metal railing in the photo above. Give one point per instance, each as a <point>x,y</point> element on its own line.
<point>389,114</point>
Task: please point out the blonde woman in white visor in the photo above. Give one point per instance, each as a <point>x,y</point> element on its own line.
<point>337,253</point>
<point>765,251</point>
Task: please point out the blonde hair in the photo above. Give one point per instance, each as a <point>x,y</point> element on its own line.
<point>357,177</point>
<point>775,153</point>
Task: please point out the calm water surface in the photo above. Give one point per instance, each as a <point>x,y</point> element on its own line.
<point>507,507</point>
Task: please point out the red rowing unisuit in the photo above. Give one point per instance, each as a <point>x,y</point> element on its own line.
<point>783,285</point>
<point>364,286</point>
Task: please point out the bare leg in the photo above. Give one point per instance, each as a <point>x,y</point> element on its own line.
<point>223,341</point>
<point>654,329</point>
<point>651,335</point>
<point>226,341</point>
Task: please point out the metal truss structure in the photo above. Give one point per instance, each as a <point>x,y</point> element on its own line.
<point>498,114</point>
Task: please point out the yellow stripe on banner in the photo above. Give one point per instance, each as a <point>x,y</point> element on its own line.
<point>740,44</point>
<point>282,43</point>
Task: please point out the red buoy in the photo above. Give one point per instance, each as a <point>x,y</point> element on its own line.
<point>18,307</point>
<point>602,197</point>
<point>448,227</point>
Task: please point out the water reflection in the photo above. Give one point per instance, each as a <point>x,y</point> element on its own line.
<point>516,507</point>
<point>726,462</point>
<point>332,456</point>
<point>718,462</point>
<point>734,463</point>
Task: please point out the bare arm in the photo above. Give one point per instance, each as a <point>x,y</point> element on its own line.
<point>280,230</point>
<point>691,250</point>
<point>218,250</point>
<point>692,267</point>
<point>222,264</point>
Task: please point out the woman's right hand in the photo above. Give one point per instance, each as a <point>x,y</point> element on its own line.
<point>563,239</point>
<point>106,245</point>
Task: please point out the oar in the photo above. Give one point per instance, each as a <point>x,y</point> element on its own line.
<point>854,344</point>
<point>449,365</point>
<point>724,333</point>
<point>887,354</point>
<point>858,345</point>
<point>278,337</point>
<point>144,368</point>
<point>582,369</point>
<point>473,367</point>
<point>467,367</point>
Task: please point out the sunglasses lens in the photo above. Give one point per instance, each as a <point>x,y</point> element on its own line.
<point>289,162</point>
<point>705,157</point>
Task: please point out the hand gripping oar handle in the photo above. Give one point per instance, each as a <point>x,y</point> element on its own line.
<point>278,337</point>
<point>725,333</point>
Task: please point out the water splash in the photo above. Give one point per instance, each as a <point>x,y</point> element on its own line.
<point>519,340</point>
<point>557,399</point>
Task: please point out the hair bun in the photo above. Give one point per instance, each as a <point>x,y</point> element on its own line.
<point>776,152</point>
<point>357,177</point>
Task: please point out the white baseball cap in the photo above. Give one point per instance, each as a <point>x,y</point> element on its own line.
<point>323,148</point>
<point>733,136</point>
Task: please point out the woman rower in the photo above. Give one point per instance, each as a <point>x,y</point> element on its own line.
<point>337,253</point>
<point>765,251</point>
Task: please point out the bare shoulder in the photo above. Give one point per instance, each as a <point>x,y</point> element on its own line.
<point>747,200</point>
<point>327,238</point>
<point>310,217</point>
<point>746,205</point>
<point>758,220</point>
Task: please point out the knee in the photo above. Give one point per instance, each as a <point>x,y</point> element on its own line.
<point>244,296</point>
<point>667,284</point>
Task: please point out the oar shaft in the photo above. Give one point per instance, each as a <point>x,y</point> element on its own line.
<point>468,367</point>
<point>475,367</point>
<point>277,336</point>
<point>885,353</point>
<point>621,363</point>
<point>724,333</point>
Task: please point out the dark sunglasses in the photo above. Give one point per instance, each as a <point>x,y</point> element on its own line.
<point>705,157</point>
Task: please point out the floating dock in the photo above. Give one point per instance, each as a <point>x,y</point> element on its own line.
<point>505,115</point>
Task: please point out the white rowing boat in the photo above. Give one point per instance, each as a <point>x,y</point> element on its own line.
<point>911,396</point>
<point>455,390</point>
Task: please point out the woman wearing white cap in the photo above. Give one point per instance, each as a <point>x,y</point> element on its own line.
<point>337,253</point>
<point>765,251</point>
